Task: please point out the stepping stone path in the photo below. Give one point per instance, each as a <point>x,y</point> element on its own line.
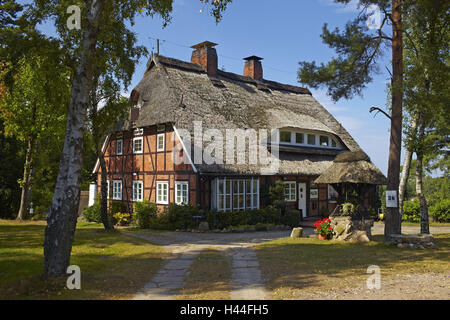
<point>185,247</point>
<point>166,283</point>
<point>246,276</point>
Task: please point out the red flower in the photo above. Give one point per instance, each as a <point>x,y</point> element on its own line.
<point>329,228</point>
<point>320,227</point>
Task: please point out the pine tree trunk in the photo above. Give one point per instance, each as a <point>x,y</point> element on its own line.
<point>393,217</point>
<point>424,223</point>
<point>62,218</point>
<point>26,186</point>
<point>406,170</point>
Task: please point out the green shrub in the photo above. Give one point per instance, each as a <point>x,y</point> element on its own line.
<point>144,211</point>
<point>92,214</point>
<point>292,218</point>
<point>226,219</point>
<point>411,211</point>
<point>440,212</point>
<point>175,217</point>
<point>121,219</point>
<point>324,212</point>
<point>115,207</point>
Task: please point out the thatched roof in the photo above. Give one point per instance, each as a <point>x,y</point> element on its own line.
<point>352,167</point>
<point>181,93</point>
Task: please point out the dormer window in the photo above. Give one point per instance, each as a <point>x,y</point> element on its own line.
<point>285,136</point>
<point>324,141</point>
<point>138,131</point>
<point>307,139</point>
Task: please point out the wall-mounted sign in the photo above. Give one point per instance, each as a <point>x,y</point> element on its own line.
<point>314,193</point>
<point>391,198</point>
<point>332,194</point>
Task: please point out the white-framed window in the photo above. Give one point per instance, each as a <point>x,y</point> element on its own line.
<point>119,146</point>
<point>311,139</point>
<point>162,192</point>
<point>160,142</point>
<point>138,145</point>
<point>117,189</point>
<point>181,192</point>
<point>324,141</point>
<point>138,191</point>
<point>290,191</point>
<point>285,136</point>
<point>237,194</point>
<point>138,131</point>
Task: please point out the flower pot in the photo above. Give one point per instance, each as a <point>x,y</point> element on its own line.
<point>322,236</point>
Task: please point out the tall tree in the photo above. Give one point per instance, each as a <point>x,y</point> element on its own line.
<point>358,49</point>
<point>427,77</point>
<point>97,14</point>
<point>32,106</point>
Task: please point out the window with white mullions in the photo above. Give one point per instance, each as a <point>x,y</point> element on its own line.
<point>162,192</point>
<point>290,191</point>
<point>117,189</point>
<point>137,145</point>
<point>119,146</point>
<point>182,192</point>
<point>237,194</point>
<point>161,140</point>
<point>138,191</point>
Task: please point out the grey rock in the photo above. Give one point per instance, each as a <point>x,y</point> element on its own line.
<point>297,233</point>
<point>203,226</point>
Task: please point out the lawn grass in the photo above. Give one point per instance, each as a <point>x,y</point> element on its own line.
<point>293,267</point>
<point>209,277</point>
<point>113,265</point>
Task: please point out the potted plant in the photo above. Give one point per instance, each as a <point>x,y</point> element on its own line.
<point>323,228</point>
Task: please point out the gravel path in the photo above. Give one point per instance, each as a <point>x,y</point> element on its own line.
<point>378,228</point>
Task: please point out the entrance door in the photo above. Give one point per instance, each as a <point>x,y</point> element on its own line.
<point>302,198</point>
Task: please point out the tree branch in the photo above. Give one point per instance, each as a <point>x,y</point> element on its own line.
<point>379,110</point>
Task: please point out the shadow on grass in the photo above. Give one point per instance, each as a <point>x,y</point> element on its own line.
<point>113,265</point>
<point>302,263</point>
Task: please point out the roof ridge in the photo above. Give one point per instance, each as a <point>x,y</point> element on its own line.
<point>188,66</point>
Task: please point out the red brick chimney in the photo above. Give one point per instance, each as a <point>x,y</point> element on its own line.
<point>253,67</point>
<point>205,55</point>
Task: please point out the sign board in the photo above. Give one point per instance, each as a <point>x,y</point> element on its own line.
<point>391,198</point>
<point>314,193</point>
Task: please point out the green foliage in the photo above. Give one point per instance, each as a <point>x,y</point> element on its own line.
<point>440,212</point>
<point>144,211</point>
<point>411,211</point>
<point>348,209</point>
<point>269,215</point>
<point>177,217</point>
<point>292,218</point>
<point>115,207</point>
<point>324,212</point>
<point>121,219</point>
<point>92,213</point>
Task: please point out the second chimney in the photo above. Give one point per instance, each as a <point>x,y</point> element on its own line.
<point>205,55</point>
<point>253,67</point>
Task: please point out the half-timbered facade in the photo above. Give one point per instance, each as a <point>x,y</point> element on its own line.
<point>176,96</point>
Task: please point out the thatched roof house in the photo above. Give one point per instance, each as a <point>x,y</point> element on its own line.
<point>175,96</point>
<point>223,100</point>
<point>352,167</point>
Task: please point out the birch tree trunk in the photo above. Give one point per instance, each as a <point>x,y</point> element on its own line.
<point>26,184</point>
<point>406,170</point>
<point>424,224</point>
<point>393,218</point>
<point>62,218</point>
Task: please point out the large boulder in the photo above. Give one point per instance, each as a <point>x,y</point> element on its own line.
<point>345,228</point>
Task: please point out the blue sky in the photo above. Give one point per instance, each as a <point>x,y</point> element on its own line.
<point>283,33</point>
